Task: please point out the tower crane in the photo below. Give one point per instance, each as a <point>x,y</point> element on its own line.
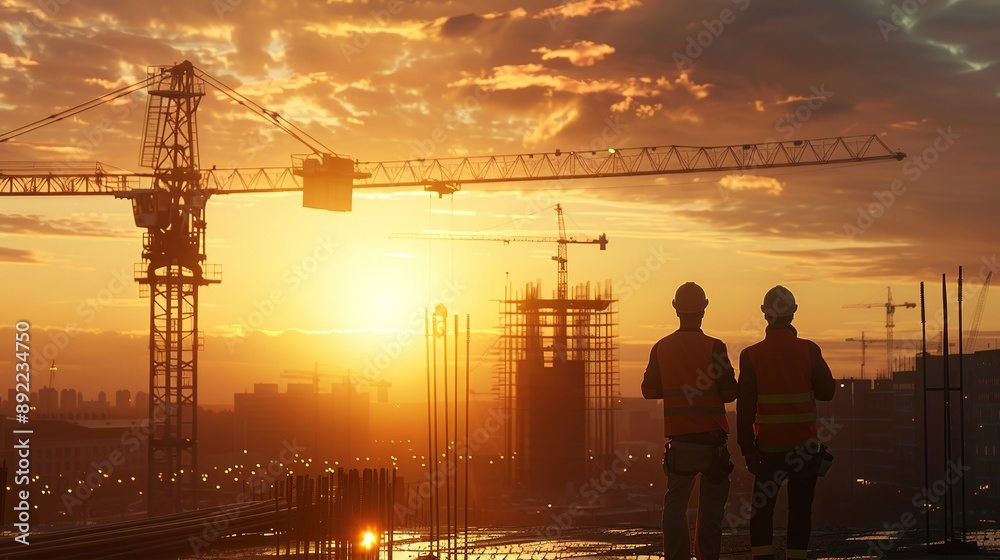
<point>562,241</point>
<point>890,312</point>
<point>313,375</point>
<point>864,346</point>
<point>977,315</point>
<point>52,374</point>
<point>171,208</point>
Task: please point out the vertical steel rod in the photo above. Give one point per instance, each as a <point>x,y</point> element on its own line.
<point>923,353</point>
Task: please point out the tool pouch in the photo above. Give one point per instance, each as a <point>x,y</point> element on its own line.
<point>825,461</point>
<point>690,458</point>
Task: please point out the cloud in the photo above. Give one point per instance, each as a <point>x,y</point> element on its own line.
<point>22,256</point>
<point>80,226</point>
<point>769,185</point>
<point>552,123</point>
<point>583,8</point>
<point>468,25</point>
<point>581,53</point>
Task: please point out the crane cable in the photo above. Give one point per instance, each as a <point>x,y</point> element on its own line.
<point>284,124</point>
<point>274,117</point>
<point>56,117</point>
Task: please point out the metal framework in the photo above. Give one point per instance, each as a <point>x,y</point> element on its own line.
<point>173,270</point>
<point>622,162</point>
<point>557,379</point>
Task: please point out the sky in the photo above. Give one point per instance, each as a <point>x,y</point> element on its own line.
<point>381,81</point>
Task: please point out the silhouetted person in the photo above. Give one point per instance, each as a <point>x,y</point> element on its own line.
<point>781,378</point>
<point>691,372</point>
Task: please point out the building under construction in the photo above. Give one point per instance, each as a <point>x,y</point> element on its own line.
<point>558,381</point>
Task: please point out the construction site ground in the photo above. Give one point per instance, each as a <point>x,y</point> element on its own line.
<point>645,543</point>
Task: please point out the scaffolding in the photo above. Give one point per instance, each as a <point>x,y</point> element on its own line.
<point>557,379</point>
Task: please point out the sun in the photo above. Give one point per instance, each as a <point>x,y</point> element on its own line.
<point>375,292</point>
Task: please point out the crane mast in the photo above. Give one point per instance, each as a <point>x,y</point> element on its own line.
<point>172,210</point>
<point>172,270</point>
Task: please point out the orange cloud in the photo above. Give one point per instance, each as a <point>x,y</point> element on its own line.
<point>552,124</point>
<point>585,8</point>
<point>582,53</point>
<point>769,185</point>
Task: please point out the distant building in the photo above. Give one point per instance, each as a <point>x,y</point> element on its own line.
<point>332,426</point>
<point>123,399</point>
<point>142,403</point>
<point>73,449</point>
<point>880,438</point>
<point>640,425</point>
<point>68,401</point>
<point>48,400</point>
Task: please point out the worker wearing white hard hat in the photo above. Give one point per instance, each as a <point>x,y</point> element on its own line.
<point>781,378</point>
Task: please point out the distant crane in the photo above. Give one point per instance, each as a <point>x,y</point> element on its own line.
<point>172,211</point>
<point>561,257</point>
<point>864,346</point>
<point>52,375</point>
<point>977,315</point>
<point>313,375</point>
<point>890,312</point>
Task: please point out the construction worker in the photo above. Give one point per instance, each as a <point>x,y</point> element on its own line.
<point>691,372</point>
<point>781,378</point>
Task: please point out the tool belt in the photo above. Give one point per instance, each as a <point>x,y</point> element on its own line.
<point>687,458</point>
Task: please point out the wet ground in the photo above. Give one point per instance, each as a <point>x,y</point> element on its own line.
<point>645,544</point>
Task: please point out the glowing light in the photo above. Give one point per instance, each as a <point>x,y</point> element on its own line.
<point>368,541</point>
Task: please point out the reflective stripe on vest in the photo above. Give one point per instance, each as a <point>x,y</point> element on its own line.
<point>691,402</point>
<point>786,406</point>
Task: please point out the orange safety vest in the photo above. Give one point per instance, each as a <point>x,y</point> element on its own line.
<point>691,402</point>
<point>786,407</point>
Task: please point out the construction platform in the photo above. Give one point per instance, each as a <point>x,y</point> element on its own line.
<point>839,543</point>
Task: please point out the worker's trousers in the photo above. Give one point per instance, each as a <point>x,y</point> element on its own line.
<point>801,476</point>
<point>713,492</point>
